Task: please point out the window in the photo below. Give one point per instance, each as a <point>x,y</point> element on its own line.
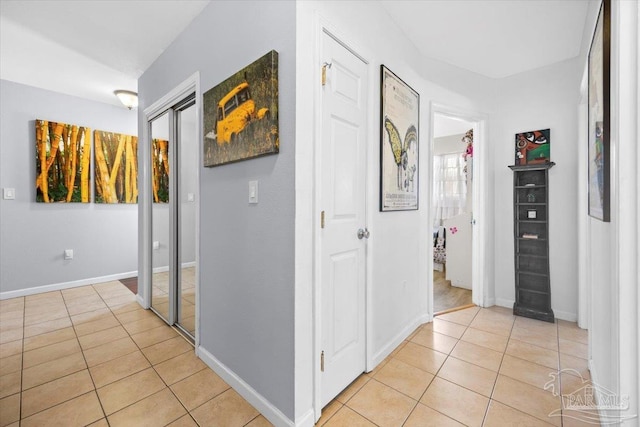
<point>449,186</point>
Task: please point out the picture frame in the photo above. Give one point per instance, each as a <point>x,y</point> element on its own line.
<point>533,147</point>
<point>599,124</point>
<point>399,143</point>
<point>115,167</point>
<point>63,155</point>
<point>240,115</point>
<point>532,214</point>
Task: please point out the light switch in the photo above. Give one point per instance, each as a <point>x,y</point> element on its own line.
<point>156,245</point>
<point>9,193</point>
<point>68,254</point>
<point>191,197</point>
<point>253,192</point>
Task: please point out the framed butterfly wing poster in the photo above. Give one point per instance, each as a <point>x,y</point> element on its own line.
<point>399,136</point>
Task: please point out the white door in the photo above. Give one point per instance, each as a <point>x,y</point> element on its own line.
<point>343,198</point>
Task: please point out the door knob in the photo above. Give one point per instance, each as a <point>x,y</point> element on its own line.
<point>363,233</point>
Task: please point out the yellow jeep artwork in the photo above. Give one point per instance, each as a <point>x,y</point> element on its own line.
<point>236,110</point>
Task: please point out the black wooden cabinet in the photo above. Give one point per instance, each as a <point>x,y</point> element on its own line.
<point>531,237</point>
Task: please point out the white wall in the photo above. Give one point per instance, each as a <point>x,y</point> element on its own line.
<point>398,249</point>
<point>34,235</point>
<point>540,99</point>
<point>612,257</point>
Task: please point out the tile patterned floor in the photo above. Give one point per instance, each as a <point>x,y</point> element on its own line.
<point>474,367</point>
<point>160,297</point>
<point>92,356</point>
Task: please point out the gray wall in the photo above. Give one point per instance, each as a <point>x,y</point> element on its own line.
<point>246,251</point>
<point>34,235</point>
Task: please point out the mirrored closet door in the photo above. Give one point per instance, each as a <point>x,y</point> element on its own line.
<point>173,215</point>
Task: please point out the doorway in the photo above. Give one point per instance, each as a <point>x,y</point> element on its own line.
<point>342,234</point>
<point>174,164</point>
<point>452,212</point>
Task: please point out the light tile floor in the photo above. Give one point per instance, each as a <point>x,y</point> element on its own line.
<point>92,356</point>
<point>474,367</point>
<point>160,297</point>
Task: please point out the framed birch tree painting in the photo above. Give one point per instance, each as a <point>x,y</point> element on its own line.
<point>116,167</point>
<point>63,156</point>
<point>160,170</point>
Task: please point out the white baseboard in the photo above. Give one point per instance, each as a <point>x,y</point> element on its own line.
<point>65,285</point>
<point>559,314</point>
<point>596,380</point>
<point>488,302</point>
<point>306,420</point>
<point>502,302</point>
<point>565,315</point>
<point>270,412</point>
<point>397,340</point>
<point>166,267</point>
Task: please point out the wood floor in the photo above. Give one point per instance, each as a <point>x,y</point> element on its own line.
<point>445,296</point>
<point>131,283</point>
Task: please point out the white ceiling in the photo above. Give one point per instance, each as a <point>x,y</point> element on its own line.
<point>495,38</point>
<point>89,48</point>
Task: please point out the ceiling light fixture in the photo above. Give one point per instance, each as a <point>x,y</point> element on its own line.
<point>127,97</point>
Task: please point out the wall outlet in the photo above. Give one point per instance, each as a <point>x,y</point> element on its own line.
<point>156,245</point>
<point>68,254</point>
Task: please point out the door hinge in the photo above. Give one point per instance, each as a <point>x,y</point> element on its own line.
<point>322,361</point>
<point>322,219</point>
<point>324,72</point>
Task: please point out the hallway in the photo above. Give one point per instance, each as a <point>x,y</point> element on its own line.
<point>92,356</point>
<point>474,367</point>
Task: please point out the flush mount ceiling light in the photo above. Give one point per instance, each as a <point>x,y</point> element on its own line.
<point>127,97</point>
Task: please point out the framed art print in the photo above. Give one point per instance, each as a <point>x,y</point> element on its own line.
<point>533,147</point>
<point>115,167</point>
<point>241,114</point>
<point>63,155</point>
<point>399,127</point>
<point>599,122</point>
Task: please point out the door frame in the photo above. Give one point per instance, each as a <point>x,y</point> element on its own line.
<point>145,203</point>
<point>324,28</point>
<point>479,203</point>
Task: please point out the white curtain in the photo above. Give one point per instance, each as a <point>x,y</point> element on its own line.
<point>449,186</point>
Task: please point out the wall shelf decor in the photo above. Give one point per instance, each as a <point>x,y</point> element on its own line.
<point>531,241</point>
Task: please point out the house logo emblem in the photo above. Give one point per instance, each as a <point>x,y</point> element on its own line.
<point>588,402</point>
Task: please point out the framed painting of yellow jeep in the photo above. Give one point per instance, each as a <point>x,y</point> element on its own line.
<point>241,114</point>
